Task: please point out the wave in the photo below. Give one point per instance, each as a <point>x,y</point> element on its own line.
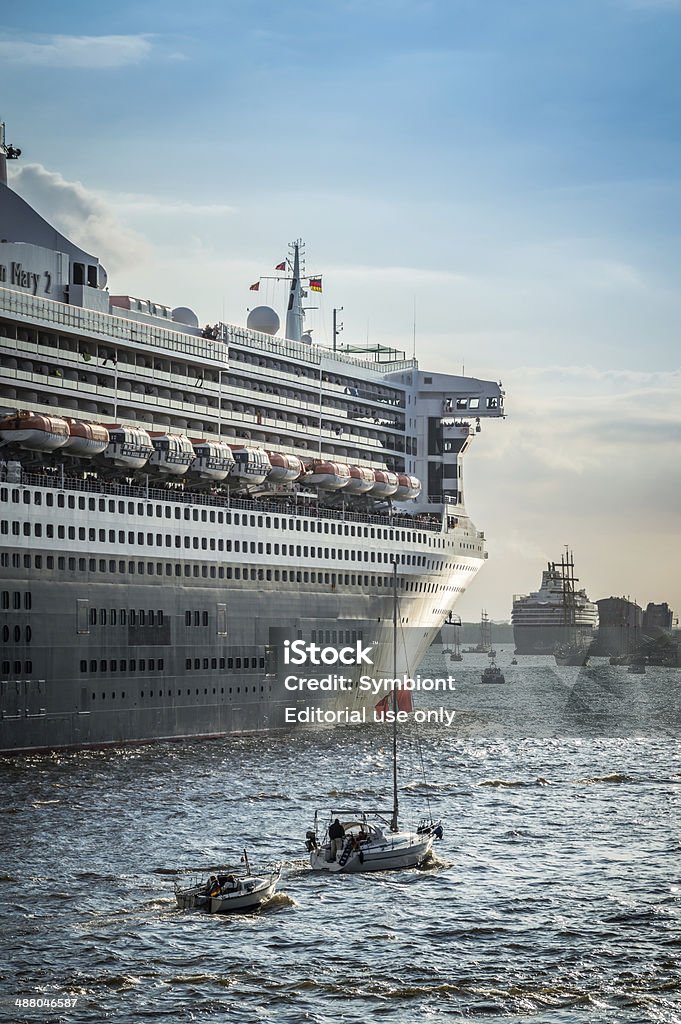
<point>616,777</point>
<point>515,783</point>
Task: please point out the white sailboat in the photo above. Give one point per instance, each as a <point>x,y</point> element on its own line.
<point>371,840</point>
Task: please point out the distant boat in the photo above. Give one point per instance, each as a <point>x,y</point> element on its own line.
<point>637,668</point>
<point>556,613</point>
<point>493,674</point>
<point>484,645</point>
<point>574,649</point>
<point>229,893</point>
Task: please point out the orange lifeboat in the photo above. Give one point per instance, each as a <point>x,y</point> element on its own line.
<point>86,439</point>
<point>285,468</point>
<point>129,447</point>
<point>361,480</point>
<point>407,487</point>
<point>34,432</point>
<point>212,460</point>
<point>173,453</point>
<point>328,476</point>
<point>385,483</point>
<point>251,464</point>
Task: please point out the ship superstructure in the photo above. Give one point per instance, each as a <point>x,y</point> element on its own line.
<point>177,501</point>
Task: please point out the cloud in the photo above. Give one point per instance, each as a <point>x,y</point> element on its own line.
<point>90,52</point>
<point>81,215</point>
<point>157,206</point>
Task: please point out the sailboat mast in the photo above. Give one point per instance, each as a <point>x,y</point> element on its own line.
<point>393,823</point>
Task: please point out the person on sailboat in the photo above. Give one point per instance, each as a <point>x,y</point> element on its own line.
<point>336,835</point>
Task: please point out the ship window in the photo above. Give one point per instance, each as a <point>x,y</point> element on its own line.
<point>71,501</point>
<point>50,562</point>
<point>83,666</point>
<point>93,666</point>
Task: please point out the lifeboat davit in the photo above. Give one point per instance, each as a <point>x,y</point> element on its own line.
<point>34,432</point>
<point>385,483</point>
<point>285,468</point>
<point>251,464</point>
<point>361,480</point>
<point>328,476</point>
<point>172,455</point>
<point>86,439</point>
<point>212,460</point>
<point>407,487</point>
<point>129,447</point>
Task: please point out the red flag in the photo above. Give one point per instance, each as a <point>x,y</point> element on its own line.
<point>315,284</point>
<point>280,266</point>
<point>255,287</point>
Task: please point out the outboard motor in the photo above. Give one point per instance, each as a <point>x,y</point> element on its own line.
<point>311,841</point>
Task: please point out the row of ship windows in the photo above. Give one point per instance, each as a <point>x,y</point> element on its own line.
<point>169,693</point>
<point>16,633</point>
<point>16,600</point>
<point>125,617</point>
<point>122,665</point>
<point>220,572</point>
<point>203,515</point>
<point>156,665</point>
<point>17,669</point>
<point>203,543</point>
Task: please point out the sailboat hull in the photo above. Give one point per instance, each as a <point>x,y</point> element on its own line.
<point>396,852</point>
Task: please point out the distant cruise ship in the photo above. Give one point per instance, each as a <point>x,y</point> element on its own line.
<point>177,501</point>
<point>554,616</point>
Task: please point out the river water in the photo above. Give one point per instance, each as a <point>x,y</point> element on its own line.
<point>554,897</point>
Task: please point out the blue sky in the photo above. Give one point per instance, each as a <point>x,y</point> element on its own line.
<point>510,166</point>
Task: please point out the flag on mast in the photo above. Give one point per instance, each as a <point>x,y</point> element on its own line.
<point>281,266</point>
<point>315,284</point>
<point>255,287</point>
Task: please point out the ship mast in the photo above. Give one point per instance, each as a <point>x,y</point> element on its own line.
<point>295,313</point>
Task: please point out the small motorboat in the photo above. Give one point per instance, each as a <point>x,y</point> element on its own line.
<point>493,674</point>
<point>514,661</point>
<point>229,893</point>
<point>637,666</point>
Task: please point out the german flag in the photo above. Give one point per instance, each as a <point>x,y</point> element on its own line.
<point>315,284</point>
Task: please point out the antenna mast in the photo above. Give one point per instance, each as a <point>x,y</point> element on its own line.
<point>6,153</point>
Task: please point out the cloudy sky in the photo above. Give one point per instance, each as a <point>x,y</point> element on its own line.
<point>508,168</point>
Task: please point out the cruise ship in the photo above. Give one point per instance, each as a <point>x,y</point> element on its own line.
<point>555,617</point>
<point>177,501</point>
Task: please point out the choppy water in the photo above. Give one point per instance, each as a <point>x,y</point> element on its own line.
<point>555,896</point>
